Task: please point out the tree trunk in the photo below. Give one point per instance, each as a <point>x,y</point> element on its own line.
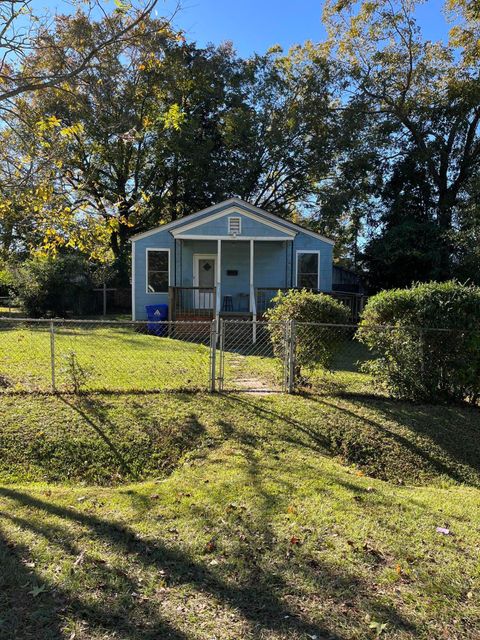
<point>121,253</point>
<point>446,202</point>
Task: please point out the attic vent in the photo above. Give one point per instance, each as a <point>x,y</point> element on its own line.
<point>234,226</point>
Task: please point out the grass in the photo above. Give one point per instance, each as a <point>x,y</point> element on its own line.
<point>244,540</point>
<point>100,438</point>
<point>113,356</point>
<point>237,516</point>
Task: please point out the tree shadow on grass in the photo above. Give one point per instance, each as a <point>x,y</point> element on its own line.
<point>455,429</point>
<point>443,454</point>
<point>91,413</point>
<point>449,448</point>
<point>256,598</point>
<point>152,446</point>
<point>33,608</point>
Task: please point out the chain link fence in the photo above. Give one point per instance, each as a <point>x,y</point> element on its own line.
<point>75,356</point>
<point>248,359</point>
<point>234,355</point>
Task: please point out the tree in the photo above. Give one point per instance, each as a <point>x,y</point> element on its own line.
<point>424,96</point>
<point>159,129</point>
<point>408,245</point>
<point>23,31</point>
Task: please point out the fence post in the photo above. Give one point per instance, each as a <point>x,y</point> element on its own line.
<point>286,355</point>
<point>52,353</point>
<point>222,354</point>
<point>213,354</point>
<point>292,337</point>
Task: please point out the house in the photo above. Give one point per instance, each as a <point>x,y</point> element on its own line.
<point>229,259</point>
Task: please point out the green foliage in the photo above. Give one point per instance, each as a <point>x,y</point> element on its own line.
<point>314,345</point>
<point>163,128</point>
<point>53,286</point>
<point>76,374</point>
<point>6,281</point>
<point>426,341</point>
<point>413,117</point>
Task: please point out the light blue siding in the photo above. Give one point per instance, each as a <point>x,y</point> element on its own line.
<point>160,240</point>
<point>304,241</point>
<point>274,261</point>
<point>249,227</point>
<point>271,264</point>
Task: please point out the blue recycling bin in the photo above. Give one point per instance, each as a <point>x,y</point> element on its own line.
<point>157,313</point>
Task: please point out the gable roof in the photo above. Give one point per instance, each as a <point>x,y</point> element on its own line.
<point>223,213</point>
<point>244,207</point>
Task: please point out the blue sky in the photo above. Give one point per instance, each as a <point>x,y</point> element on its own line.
<point>256,25</point>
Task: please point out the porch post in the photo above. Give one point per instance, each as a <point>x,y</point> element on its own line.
<point>218,300</point>
<point>252,292</point>
<point>253,302</point>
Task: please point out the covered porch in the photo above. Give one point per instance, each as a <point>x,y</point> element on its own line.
<point>228,277</point>
<point>238,278</point>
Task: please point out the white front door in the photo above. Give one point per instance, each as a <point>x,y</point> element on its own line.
<point>204,267</point>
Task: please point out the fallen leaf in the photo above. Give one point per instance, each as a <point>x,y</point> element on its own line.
<point>37,590</point>
<point>79,560</point>
<point>378,626</point>
<point>210,546</point>
<point>295,540</point>
<point>443,531</point>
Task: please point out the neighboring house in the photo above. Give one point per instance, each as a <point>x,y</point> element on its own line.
<point>229,259</point>
<point>347,280</point>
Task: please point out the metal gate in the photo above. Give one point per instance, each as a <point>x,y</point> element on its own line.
<point>251,357</point>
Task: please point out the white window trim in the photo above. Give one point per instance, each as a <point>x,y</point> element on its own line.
<point>300,251</point>
<point>156,293</point>
<point>230,232</point>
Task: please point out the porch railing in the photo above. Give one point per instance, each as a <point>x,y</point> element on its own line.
<point>192,302</point>
<point>201,302</point>
<point>264,296</point>
<point>354,301</point>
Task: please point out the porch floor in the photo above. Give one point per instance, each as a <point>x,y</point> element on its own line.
<point>236,314</point>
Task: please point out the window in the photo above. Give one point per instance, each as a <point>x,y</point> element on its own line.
<point>234,226</point>
<point>307,269</point>
<point>157,270</point>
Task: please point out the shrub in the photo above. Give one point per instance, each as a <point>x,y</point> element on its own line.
<point>314,345</point>
<point>425,341</point>
<point>6,281</point>
<point>54,286</point>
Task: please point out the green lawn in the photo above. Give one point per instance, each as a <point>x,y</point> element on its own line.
<point>192,516</point>
<point>113,357</point>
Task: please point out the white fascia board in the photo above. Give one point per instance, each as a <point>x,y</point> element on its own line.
<point>175,223</point>
<point>192,236</point>
<point>221,214</point>
<point>245,206</point>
